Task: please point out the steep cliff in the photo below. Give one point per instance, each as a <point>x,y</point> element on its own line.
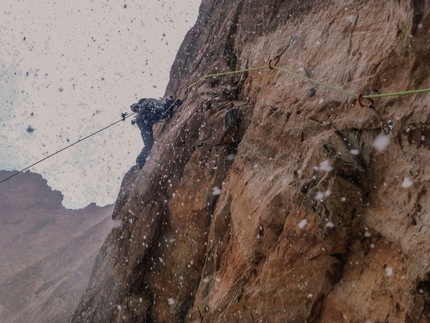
<point>297,212</point>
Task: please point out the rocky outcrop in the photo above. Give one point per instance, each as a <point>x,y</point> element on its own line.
<point>301,210</point>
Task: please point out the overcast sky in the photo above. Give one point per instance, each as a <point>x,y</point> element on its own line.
<point>70,68</point>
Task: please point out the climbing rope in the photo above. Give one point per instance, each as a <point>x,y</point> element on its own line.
<point>317,82</point>
<point>312,80</point>
<point>383,95</point>
<point>275,61</point>
<point>212,75</point>
<point>123,117</point>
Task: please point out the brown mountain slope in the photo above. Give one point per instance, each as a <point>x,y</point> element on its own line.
<point>46,291</point>
<point>34,223</point>
<point>297,213</point>
<point>46,251</point>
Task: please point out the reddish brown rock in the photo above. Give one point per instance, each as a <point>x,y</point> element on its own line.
<point>291,214</point>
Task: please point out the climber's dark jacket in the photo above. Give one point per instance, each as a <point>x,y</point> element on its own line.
<point>149,112</point>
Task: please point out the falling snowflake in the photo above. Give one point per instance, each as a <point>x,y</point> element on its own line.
<point>216,191</point>
<point>406,182</point>
<point>354,152</point>
<point>329,224</point>
<point>30,129</point>
<point>325,166</point>
<point>381,142</point>
<point>171,301</point>
<point>389,271</point>
<point>319,196</point>
<point>303,224</point>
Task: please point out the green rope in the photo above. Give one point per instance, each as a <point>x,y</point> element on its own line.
<point>317,82</point>
<point>383,95</point>
<point>280,69</point>
<point>373,96</point>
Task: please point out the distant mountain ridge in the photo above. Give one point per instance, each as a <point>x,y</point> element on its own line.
<point>46,251</point>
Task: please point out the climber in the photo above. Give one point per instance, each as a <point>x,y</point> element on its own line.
<point>149,112</point>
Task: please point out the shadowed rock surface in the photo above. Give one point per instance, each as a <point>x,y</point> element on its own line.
<point>46,251</point>
<point>295,213</point>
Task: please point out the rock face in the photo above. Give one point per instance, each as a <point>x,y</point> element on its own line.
<point>298,211</point>
<point>46,251</point>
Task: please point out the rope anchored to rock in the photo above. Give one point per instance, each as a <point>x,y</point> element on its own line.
<point>386,126</point>
<point>361,97</point>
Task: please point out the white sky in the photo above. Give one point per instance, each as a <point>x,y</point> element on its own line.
<point>69,68</point>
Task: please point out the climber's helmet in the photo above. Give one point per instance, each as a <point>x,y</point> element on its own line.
<point>135,107</point>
